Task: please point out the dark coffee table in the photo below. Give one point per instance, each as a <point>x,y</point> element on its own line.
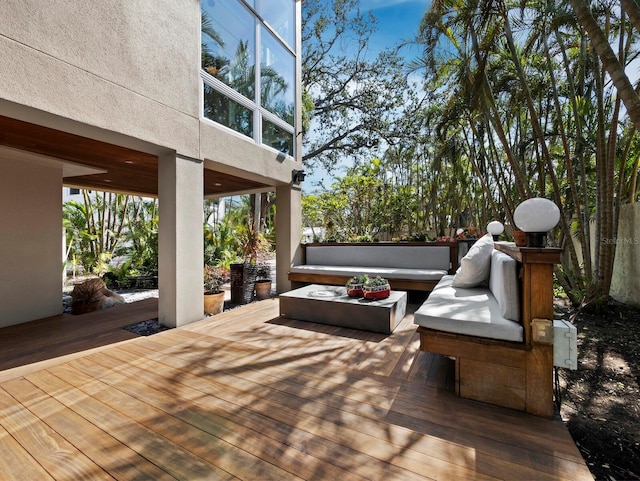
<point>331,305</point>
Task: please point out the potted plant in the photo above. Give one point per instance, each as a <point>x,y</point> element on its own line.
<point>263,282</point>
<point>355,285</point>
<point>213,294</point>
<point>243,274</point>
<point>376,288</point>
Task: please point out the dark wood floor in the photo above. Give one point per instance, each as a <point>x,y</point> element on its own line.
<point>249,395</point>
<point>68,334</point>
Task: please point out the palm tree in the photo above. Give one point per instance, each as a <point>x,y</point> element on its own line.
<point>607,56</point>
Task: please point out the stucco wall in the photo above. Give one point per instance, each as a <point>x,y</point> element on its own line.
<point>128,67</point>
<point>625,284</point>
<point>30,241</point>
<point>233,150</point>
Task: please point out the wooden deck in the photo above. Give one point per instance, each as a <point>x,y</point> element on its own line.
<point>65,335</point>
<point>248,395</point>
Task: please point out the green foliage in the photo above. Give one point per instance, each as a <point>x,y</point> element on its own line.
<point>212,279</point>
<point>108,225</point>
<point>361,279</point>
<point>354,99</point>
<point>95,229</point>
<point>117,277</point>
<point>376,281</point>
<point>141,244</point>
<point>263,272</point>
<point>221,245</point>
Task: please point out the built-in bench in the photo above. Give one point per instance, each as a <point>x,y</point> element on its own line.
<point>498,333</point>
<point>406,265</point>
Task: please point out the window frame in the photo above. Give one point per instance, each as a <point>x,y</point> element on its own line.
<point>259,112</point>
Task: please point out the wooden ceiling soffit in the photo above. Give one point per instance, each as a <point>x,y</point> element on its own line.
<point>119,169</point>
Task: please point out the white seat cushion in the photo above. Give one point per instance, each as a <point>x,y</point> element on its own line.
<point>387,272</point>
<point>472,312</point>
<point>475,266</point>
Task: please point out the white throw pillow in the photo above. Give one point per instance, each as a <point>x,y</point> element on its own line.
<point>476,265</point>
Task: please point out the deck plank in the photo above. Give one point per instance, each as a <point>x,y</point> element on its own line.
<point>320,412</point>
<point>249,395</point>
<point>61,459</point>
<point>176,460</point>
<point>65,334</point>
<point>112,456</point>
<point>17,462</point>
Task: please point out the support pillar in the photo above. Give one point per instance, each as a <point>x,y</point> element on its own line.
<point>180,244</point>
<point>288,233</point>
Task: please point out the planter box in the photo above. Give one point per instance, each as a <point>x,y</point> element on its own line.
<point>331,305</point>
<point>376,292</point>
<point>243,280</point>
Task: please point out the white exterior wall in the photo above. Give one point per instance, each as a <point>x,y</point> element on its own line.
<point>625,282</point>
<point>124,72</point>
<point>122,66</point>
<point>30,241</point>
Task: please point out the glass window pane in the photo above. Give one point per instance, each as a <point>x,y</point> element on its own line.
<point>277,78</point>
<point>277,138</point>
<point>228,44</point>
<point>280,15</point>
<point>221,109</point>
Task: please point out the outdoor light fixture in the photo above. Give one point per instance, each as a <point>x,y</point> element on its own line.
<point>495,228</point>
<point>298,176</point>
<point>536,217</point>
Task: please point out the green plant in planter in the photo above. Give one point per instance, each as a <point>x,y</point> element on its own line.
<point>213,294</point>
<point>263,273</point>
<point>376,288</point>
<point>212,279</point>
<point>355,284</point>
<point>376,282</point>
<point>263,282</point>
<point>361,279</point>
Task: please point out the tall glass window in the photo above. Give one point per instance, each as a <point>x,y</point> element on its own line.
<point>225,111</point>
<point>277,138</point>
<point>280,16</point>
<point>228,45</point>
<point>277,80</point>
<point>258,102</point>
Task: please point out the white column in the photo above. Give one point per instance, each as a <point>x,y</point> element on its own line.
<point>288,233</point>
<point>180,245</point>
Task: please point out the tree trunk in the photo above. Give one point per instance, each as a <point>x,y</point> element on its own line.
<point>609,60</point>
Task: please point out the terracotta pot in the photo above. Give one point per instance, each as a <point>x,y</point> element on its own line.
<point>521,239</point>
<point>214,303</point>
<point>263,290</point>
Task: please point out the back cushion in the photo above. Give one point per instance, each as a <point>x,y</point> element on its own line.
<point>475,267</point>
<point>402,257</point>
<point>503,282</point>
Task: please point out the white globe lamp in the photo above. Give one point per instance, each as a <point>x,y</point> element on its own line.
<point>536,217</point>
<point>495,228</point>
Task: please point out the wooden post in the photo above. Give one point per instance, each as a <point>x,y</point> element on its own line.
<point>537,303</point>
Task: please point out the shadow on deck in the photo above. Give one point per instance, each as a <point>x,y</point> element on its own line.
<point>67,334</point>
<point>250,395</point>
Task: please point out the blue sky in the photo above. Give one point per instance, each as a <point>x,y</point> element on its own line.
<point>398,20</point>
